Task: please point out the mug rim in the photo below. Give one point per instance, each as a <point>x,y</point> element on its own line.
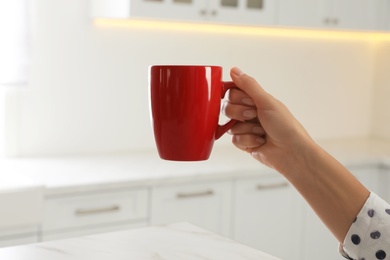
<point>183,66</point>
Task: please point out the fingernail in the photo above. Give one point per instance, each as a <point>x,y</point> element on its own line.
<point>236,71</point>
<point>248,101</point>
<point>249,113</point>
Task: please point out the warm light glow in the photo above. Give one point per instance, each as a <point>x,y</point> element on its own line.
<point>246,30</point>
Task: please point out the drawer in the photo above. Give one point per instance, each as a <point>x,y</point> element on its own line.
<point>204,204</point>
<point>95,209</point>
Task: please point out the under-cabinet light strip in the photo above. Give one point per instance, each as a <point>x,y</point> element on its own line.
<point>245,30</point>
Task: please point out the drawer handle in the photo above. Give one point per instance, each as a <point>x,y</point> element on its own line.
<point>271,186</point>
<point>85,212</point>
<point>195,194</point>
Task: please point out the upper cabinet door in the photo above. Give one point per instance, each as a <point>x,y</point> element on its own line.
<point>356,14</point>
<point>150,9</point>
<point>304,13</point>
<point>344,14</point>
<point>169,9</point>
<point>255,12</point>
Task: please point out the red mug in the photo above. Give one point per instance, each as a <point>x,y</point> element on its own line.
<point>185,107</point>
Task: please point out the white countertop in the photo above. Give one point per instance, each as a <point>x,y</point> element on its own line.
<point>177,241</point>
<point>64,175</point>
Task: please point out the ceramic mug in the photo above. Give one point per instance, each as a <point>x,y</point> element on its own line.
<point>185,105</point>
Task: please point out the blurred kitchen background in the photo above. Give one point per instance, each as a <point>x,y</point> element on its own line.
<point>86,95</point>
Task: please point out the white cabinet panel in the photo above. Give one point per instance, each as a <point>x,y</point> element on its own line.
<point>303,13</point>
<point>18,236</point>
<point>26,207</point>
<point>346,14</point>
<point>94,209</point>
<point>169,9</point>
<point>268,215</point>
<point>356,14</point>
<point>262,12</point>
<point>22,240</point>
<point>204,204</point>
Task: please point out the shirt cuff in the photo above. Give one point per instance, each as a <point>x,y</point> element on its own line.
<point>369,235</point>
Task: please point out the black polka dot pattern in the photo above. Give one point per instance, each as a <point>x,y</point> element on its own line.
<point>380,254</point>
<point>369,234</point>
<point>375,235</point>
<point>355,239</point>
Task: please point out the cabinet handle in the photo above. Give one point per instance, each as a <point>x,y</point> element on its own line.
<point>335,21</point>
<point>203,12</point>
<point>271,186</point>
<point>214,12</point>
<point>183,195</point>
<point>85,212</point>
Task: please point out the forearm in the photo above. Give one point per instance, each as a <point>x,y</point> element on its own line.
<point>330,189</point>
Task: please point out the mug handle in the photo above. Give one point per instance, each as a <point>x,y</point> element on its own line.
<point>221,129</point>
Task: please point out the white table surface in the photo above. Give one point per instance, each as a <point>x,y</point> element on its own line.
<point>181,241</point>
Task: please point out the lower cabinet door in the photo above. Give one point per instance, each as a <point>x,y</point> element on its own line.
<point>206,205</point>
<point>267,216</point>
<point>18,236</point>
<point>16,241</point>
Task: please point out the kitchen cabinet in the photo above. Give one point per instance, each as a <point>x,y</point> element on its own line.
<point>18,236</point>
<point>384,183</point>
<point>227,11</point>
<point>346,14</point>
<point>318,240</point>
<point>21,210</point>
<point>90,213</point>
<point>268,215</point>
<point>207,205</point>
<point>385,15</point>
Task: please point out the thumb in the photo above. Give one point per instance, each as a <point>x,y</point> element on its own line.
<point>249,85</point>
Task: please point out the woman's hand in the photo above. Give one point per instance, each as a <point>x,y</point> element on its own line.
<point>267,130</point>
<point>271,134</point>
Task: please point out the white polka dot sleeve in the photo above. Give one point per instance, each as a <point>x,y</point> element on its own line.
<point>369,235</point>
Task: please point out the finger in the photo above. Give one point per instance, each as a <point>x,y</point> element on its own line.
<point>249,85</point>
<point>239,112</point>
<point>248,142</point>
<point>241,128</point>
<point>238,96</point>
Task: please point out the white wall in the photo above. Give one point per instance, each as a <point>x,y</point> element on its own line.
<point>89,92</point>
<point>381,104</point>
